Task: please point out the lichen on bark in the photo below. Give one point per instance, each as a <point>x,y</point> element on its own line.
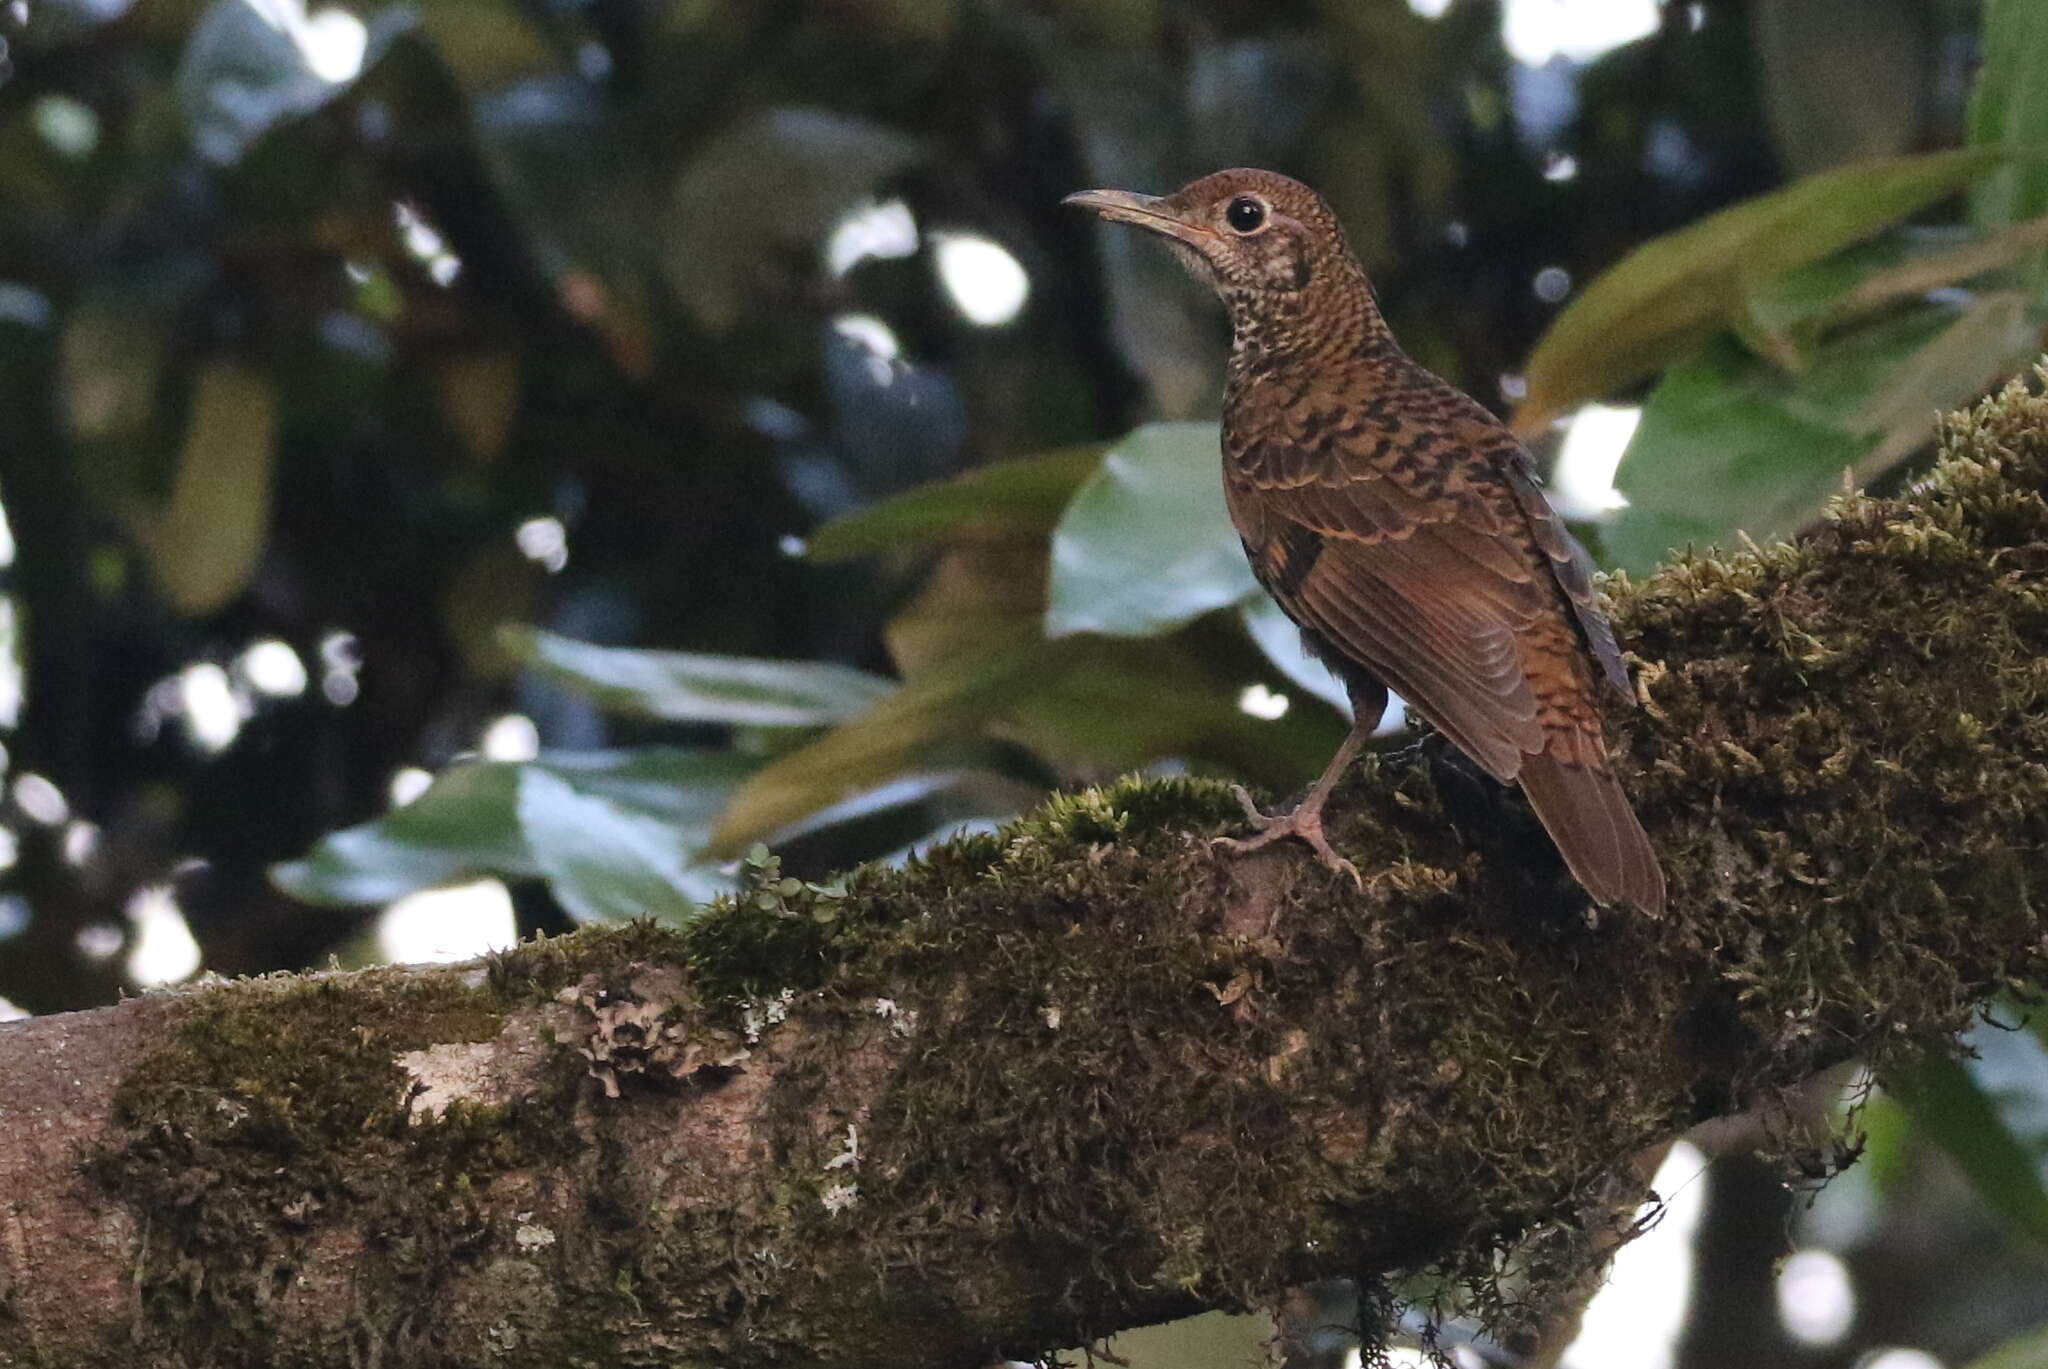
<point>1080,1073</point>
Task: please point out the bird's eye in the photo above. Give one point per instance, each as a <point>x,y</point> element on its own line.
<point>1245,214</point>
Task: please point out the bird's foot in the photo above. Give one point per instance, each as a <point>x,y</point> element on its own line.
<point>1305,821</point>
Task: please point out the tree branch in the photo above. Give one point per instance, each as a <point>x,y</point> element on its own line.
<point>1081,1074</point>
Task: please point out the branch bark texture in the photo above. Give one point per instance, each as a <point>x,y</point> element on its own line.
<point>1080,1074</point>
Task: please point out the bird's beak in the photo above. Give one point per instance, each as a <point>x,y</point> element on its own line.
<point>1122,206</point>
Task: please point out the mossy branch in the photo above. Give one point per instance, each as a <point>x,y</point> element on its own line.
<point>1080,1074</point>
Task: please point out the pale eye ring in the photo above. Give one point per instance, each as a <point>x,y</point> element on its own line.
<point>1246,214</point>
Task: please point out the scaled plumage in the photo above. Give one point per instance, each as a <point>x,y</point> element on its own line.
<point>1401,526</point>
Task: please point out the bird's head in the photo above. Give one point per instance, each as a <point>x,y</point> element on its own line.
<point>1269,245</point>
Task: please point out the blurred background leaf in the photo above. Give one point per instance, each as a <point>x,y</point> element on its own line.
<point>1003,498</point>
<point>1993,1129</point>
<point>204,544</point>
<point>685,686</point>
<point>1805,337</point>
<point>613,832</point>
<point>2009,105</point>
<point>1989,1113</point>
<point>1146,543</point>
<point>1670,295</point>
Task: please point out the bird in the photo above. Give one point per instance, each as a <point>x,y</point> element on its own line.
<point>1401,527</point>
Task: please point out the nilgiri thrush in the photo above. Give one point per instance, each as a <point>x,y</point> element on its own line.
<point>1401,527</point>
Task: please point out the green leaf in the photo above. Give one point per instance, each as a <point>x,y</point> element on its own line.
<point>1116,704</point>
<point>474,821</point>
<point>1805,298</point>
<point>1721,447</point>
<point>462,827</point>
<point>1918,273</point>
<point>1147,544</point>
<point>1887,1132</point>
<point>602,861</point>
<point>934,722</point>
<point>2027,1350</point>
<point>687,686</point>
<point>1991,1115</point>
<point>205,544</point>
<point>1990,340</point>
<point>1007,498</point>
<point>1671,294</point>
<point>978,672</point>
<point>1897,268</point>
<point>1729,442</point>
<point>2010,106</point>
<point>1099,705</point>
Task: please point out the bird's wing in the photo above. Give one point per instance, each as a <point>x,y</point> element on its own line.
<point>1449,579</point>
<point>1444,416</point>
<point>1411,590</point>
<point>1569,565</point>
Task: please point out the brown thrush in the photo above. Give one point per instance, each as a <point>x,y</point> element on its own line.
<point>1401,527</point>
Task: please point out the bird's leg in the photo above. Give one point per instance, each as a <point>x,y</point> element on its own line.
<point>1306,819</point>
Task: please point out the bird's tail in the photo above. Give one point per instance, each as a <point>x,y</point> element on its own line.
<point>1583,808</point>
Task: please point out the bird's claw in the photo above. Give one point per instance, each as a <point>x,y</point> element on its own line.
<point>1303,822</point>
<point>1253,814</point>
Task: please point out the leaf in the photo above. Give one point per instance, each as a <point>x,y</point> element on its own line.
<point>1005,498</point>
<point>1720,449</point>
<point>2027,1350</point>
<point>1105,705</point>
<point>1806,298</point>
<point>932,723</point>
<point>471,822</point>
<point>1918,274</point>
<point>602,861</point>
<point>238,76</point>
<point>1727,441</point>
<point>2010,106</point>
<point>1887,271</point>
<point>1100,705</point>
<point>461,827</point>
<point>1991,1116</point>
<point>1672,293</point>
<point>979,671</point>
<point>811,164</point>
<point>1147,544</point>
<point>981,599</point>
<point>687,686</point>
<point>486,46</point>
<point>207,541</point>
<point>1989,341</point>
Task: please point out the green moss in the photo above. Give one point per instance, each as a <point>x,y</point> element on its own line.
<point>285,1054</point>
<point>537,970</point>
<point>275,1113</point>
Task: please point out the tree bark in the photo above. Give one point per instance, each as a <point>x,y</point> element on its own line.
<point>1083,1074</point>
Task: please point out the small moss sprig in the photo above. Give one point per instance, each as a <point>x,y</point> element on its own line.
<point>764,886</point>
